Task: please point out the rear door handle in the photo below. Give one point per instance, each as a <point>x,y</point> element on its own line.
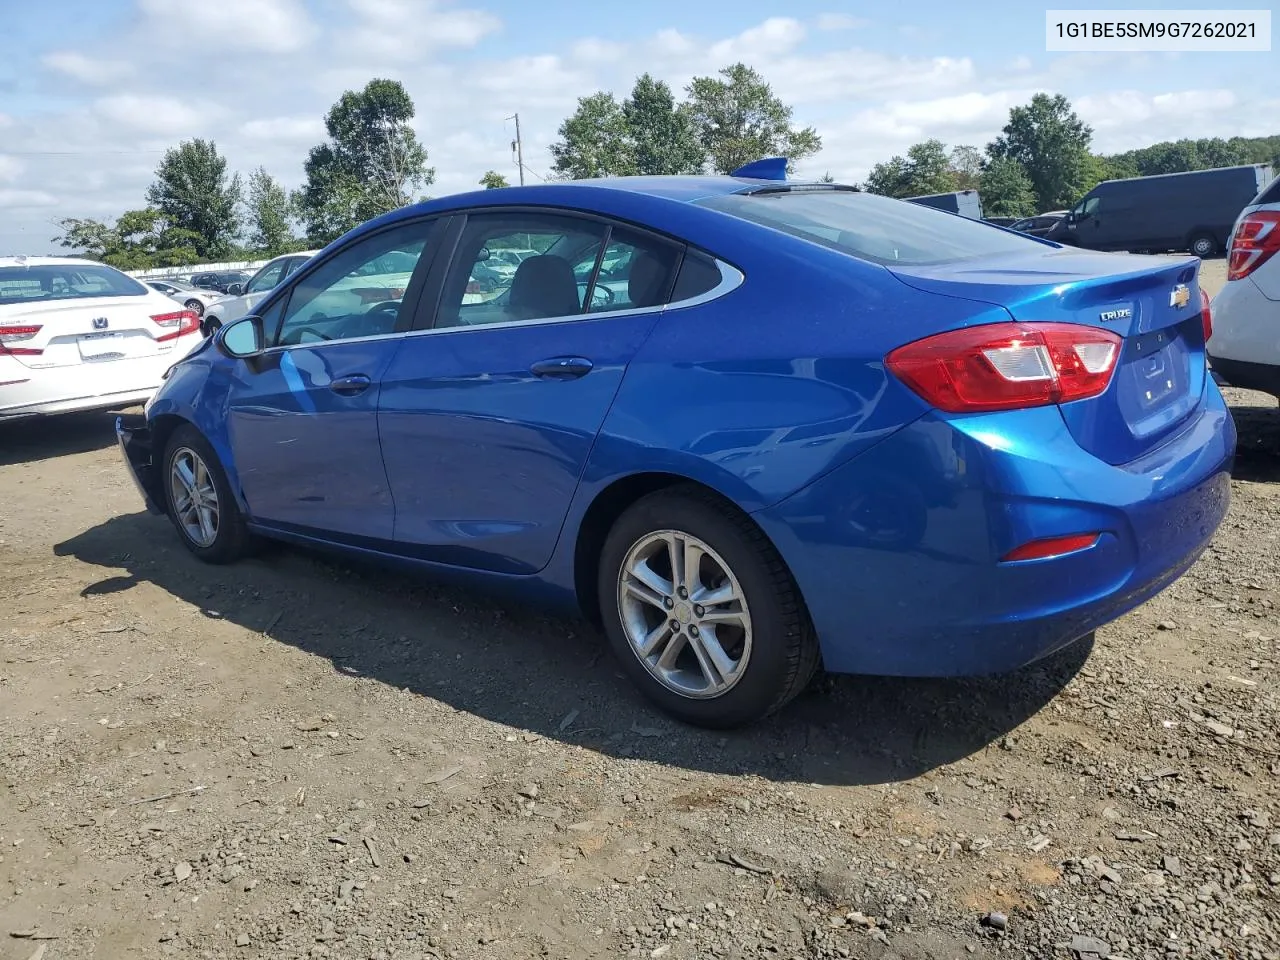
<point>351,386</point>
<point>561,368</point>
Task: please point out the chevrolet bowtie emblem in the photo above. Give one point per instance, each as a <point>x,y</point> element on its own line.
<point>1179,296</point>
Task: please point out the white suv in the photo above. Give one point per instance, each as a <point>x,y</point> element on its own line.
<point>239,302</point>
<point>1245,347</point>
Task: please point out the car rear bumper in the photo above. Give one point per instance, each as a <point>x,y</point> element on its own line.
<point>39,391</point>
<point>898,552</point>
<point>134,436</point>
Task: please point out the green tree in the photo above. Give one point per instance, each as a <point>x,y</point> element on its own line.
<point>139,239</point>
<point>594,141</point>
<point>270,216</point>
<point>924,170</point>
<point>739,119</point>
<point>1052,144</point>
<point>1006,190</point>
<point>966,165</point>
<point>372,162</point>
<point>493,180</point>
<point>660,133</point>
<point>194,193</point>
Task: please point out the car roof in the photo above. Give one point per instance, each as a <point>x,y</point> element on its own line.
<point>20,261</point>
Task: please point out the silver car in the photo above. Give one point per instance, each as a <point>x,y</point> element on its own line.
<point>194,298</point>
<point>240,300</point>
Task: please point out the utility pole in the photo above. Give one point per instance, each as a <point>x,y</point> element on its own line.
<point>517,147</point>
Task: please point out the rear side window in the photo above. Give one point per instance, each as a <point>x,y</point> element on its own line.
<point>50,282</point>
<point>871,227</point>
<point>698,275</point>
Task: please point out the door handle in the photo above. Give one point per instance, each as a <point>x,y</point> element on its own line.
<point>351,386</point>
<point>561,368</point>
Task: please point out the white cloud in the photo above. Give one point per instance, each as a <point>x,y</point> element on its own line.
<point>10,167</point>
<point>292,129</point>
<point>95,71</point>
<point>270,26</point>
<point>153,114</point>
<point>18,199</point>
<point>406,29</point>
<point>839,21</point>
<point>774,37</point>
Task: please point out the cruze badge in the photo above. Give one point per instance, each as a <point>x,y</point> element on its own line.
<point>1124,313</point>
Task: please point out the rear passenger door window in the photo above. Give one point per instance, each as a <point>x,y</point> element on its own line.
<point>483,287</point>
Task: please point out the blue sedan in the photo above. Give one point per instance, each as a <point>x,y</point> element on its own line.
<point>751,427</point>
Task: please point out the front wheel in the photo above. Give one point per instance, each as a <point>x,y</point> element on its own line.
<point>701,611</point>
<point>195,306</point>
<point>209,326</point>
<point>199,501</point>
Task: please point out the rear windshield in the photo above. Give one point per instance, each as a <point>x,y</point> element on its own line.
<point>872,227</point>
<point>1270,194</point>
<point>64,282</point>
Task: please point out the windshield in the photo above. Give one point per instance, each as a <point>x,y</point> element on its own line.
<point>72,281</point>
<point>871,227</point>
<point>180,284</point>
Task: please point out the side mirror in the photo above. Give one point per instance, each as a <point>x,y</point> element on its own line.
<point>235,289</point>
<point>241,339</point>
<point>483,254</point>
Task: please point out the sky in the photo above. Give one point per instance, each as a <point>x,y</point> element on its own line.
<point>93,91</point>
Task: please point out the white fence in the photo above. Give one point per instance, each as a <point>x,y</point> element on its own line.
<point>161,273</point>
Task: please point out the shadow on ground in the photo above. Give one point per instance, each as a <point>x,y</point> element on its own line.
<point>1258,446</point>
<point>517,667</point>
<point>45,438</point>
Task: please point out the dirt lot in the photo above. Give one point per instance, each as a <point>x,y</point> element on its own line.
<point>297,758</point>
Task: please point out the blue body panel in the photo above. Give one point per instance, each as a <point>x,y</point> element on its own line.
<point>920,589</point>
<point>460,459</point>
<point>483,456</point>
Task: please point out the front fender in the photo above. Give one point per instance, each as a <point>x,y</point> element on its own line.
<point>196,393</point>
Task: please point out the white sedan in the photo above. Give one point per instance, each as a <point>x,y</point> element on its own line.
<point>79,335</point>
<point>1245,347</point>
<point>195,299</point>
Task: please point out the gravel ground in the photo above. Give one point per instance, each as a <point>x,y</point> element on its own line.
<point>294,757</point>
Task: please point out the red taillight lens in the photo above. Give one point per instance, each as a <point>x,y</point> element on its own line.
<point>11,335</point>
<point>1256,241</point>
<point>1051,547</point>
<point>177,324</point>
<point>1004,366</point>
<point>1206,315</point>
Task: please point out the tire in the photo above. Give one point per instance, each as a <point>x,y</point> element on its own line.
<point>195,306</point>
<point>209,326</point>
<point>767,647</point>
<point>1203,245</point>
<point>230,539</point>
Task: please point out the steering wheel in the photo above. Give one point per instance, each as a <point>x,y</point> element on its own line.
<point>605,300</point>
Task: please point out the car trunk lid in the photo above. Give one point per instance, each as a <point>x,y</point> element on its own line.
<point>1153,303</point>
<point>97,330</point>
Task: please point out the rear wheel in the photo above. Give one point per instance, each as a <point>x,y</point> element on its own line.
<point>1203,244</point>
<point>701,611</point>
<point>199,501</point>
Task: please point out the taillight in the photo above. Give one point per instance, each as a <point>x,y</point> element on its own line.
<point>178,324</point>
<point>1004,366</point>
<point>1206,315</point>
<point>1256,241</point>
<point>12,335</point>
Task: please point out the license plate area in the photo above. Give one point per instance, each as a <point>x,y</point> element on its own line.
<point>99,347</point>
<point>1155,380</point>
